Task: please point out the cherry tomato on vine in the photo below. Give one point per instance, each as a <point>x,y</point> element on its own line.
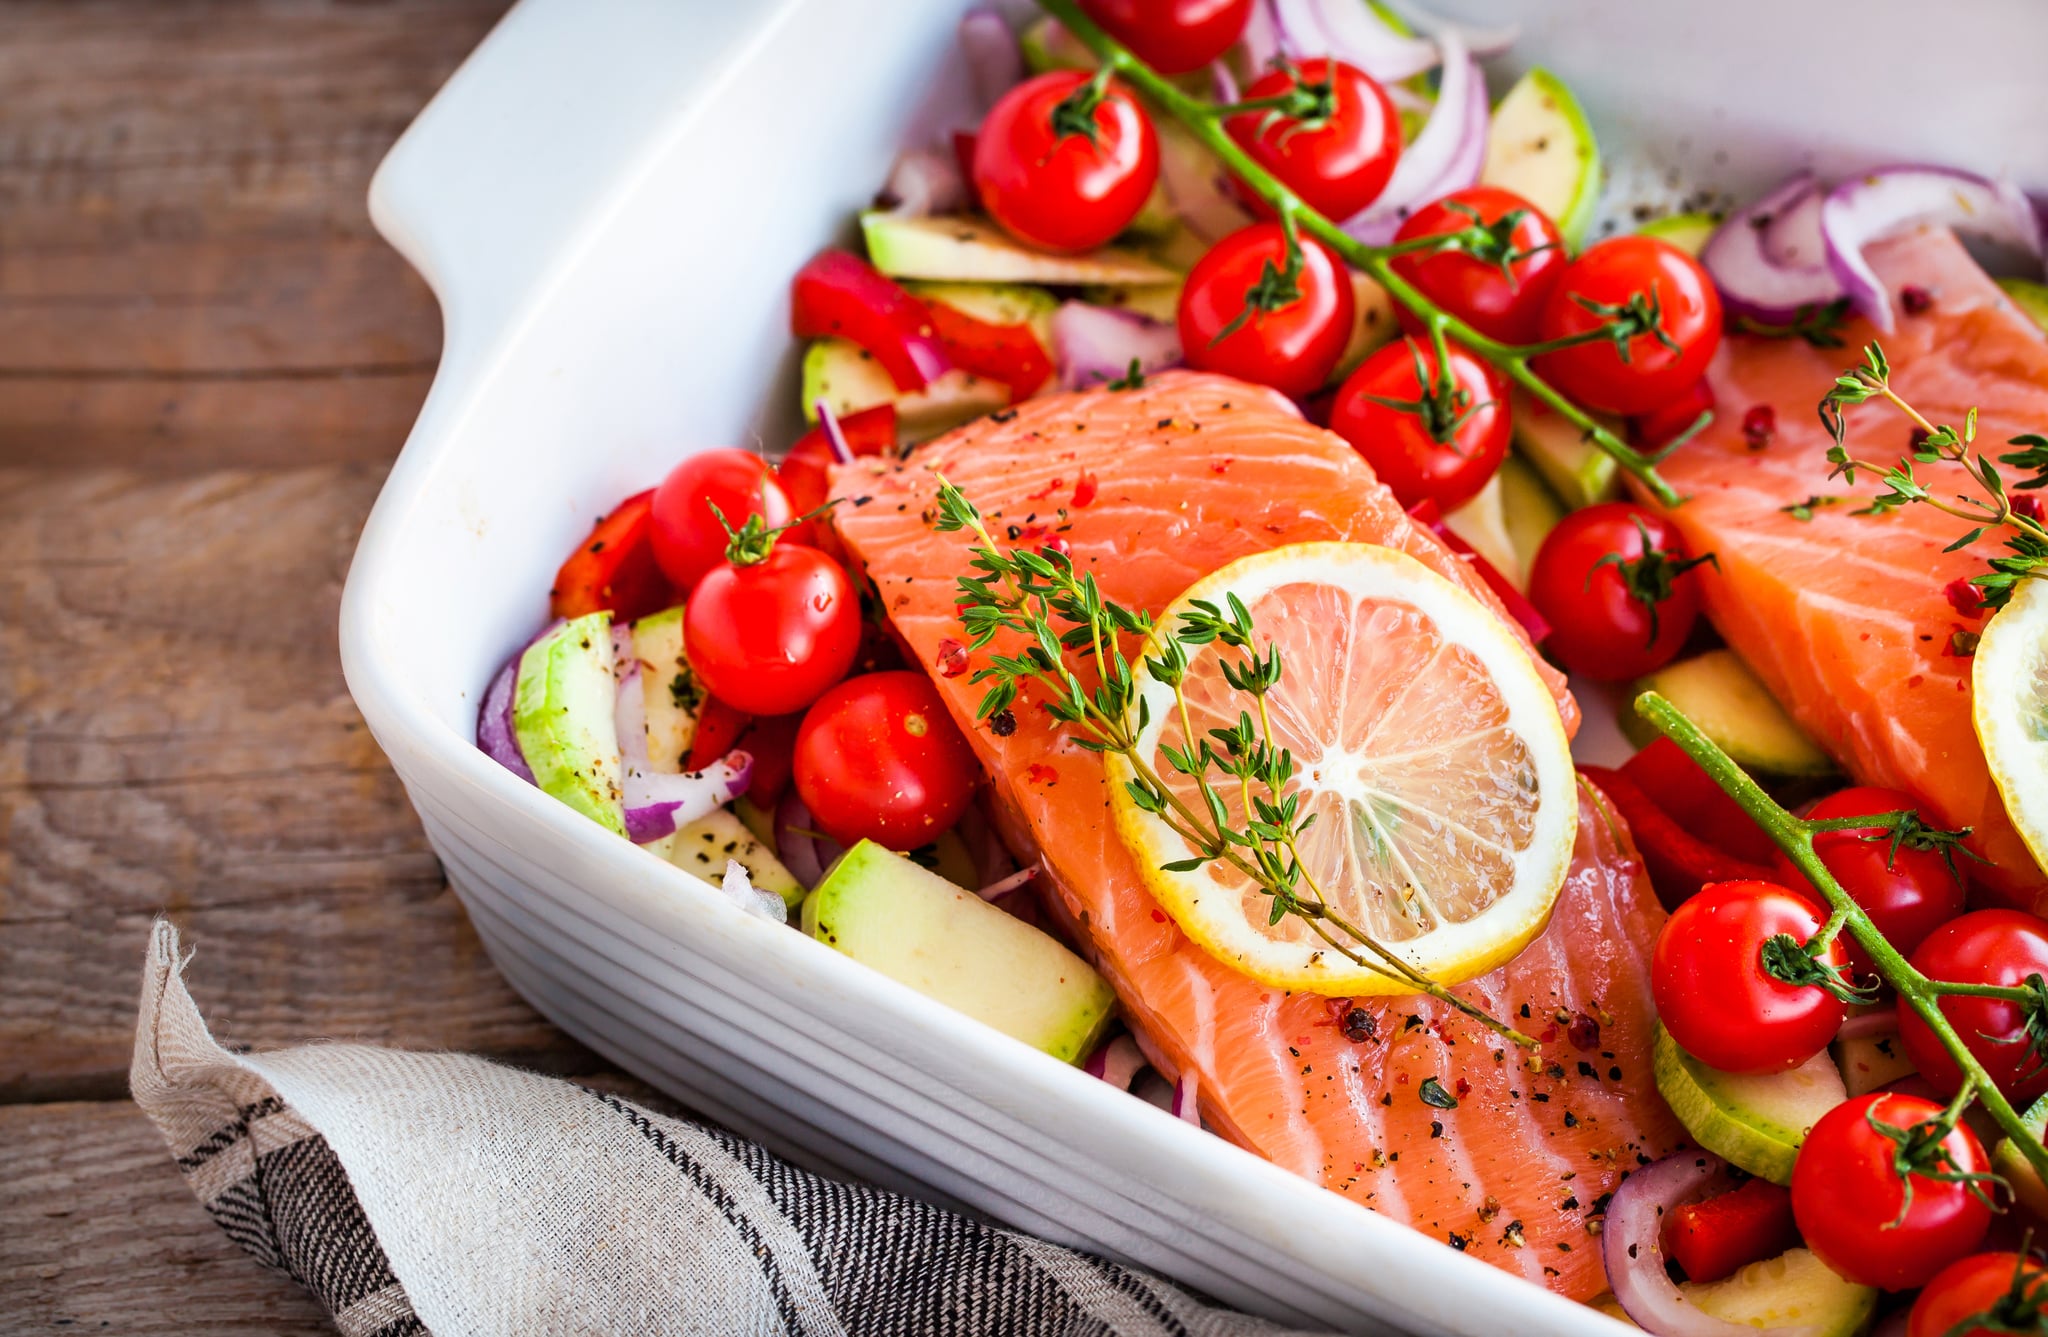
<point>1429,430</point>
<point>1064,163</point>
<point>1259,310</point>
<point>687,537</point>
<point>1908,892</point>
<point>1712,993</point>
<point>768,633</point>
<point>2008,1292</point>
<point>1999,947</point>
<point>878,758</point>
<point>1614,581</point>
<point>1172,36</point>
<point>1497,286</point>
<point>1334,139</point>
<point>1849,1195</point>
<point>1667,296</point>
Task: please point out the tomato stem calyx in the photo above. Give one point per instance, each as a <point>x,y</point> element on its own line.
<point>1653,577</point>
<point>1274,288</point>
<point>750,544</point>
<point>1921,1150</point>
<point>1790,961</point>
<point>1075,114</point>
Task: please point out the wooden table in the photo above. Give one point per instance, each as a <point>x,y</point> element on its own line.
<point>207,362</point>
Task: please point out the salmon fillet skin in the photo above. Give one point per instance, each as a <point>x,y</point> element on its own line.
<point>1844,616</point>
<point>1154,488</point>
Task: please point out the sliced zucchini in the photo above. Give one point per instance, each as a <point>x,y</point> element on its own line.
<point>996,303</point>
<point>1529,509</point>
<point>1717,691</point>
<point>702,848</point>
<point>1579,472</point>
<point>973,250</point>
<point>848,377</point>
<point>1483,525</point>
<point>2009,1161</point>
<point>564,712</point>
<point>1870,1061</point>
<point>1795,1290</point>
<point>1755,1121</point>
<point>1688,232</point>
<point>1541,147</point>
<point>1154,301</point>
<point>669,688</point>
<point>2030,297</point>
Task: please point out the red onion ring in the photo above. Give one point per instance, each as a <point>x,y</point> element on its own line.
<point>1187,1099</point>
<point>1350,31</point>
<point>1891,199</point>
<point>1754,284</point>
<point>1261,40</point>
<point>924,182</point>
<point>1095,345</point>
<point>1632,1246</point>
<point>995,891</point>
<point>993,56</point>
<point>1446,155</point>
<point>494,722</point>
<point>804,852</point>
<point>835,435</point>
<point>1119,1062</point>
<point>658,803</point>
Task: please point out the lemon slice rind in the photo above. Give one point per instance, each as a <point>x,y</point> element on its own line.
<point>2009,706</point>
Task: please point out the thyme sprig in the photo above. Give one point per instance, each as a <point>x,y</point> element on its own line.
<point>1064,628</point>
<point>1204,120</point>
<point>2026,536</point>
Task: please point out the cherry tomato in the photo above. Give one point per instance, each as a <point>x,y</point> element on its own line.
<point>878,758</point>
<point>768,636</point>
<point>614,567</point>
<point>771,742</point>
<point>1661,426</point>
<point>1500,297</point>
<point>1338,153</point>
<point>1448,444</point>
<point>1059,167</point>
<point>2008,1292</point>
<point>1612,274</point>
<point>688,539</point>
<point>1299,322</point>
<point>1999,947</point>
<point>1908,893</point>
<point>1172,36</point>
<point>1712,993</point>
<point>1850,1200</point>
<point>1615,583</point>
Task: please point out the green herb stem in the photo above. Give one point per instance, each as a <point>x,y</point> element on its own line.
<point>1795,837</point>
<point>1201,119</point>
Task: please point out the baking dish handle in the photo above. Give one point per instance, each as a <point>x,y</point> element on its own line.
<point>535,134</point>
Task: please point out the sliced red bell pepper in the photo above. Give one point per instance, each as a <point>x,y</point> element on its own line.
<point>614,568</point>
<point>963,153</point>
<point>838,295</point>
<point>806,472</point>
<point>1426,512</point>
<point>1010,354</point>
<point>1679,862</point>
<point>771,742</point>
<point>1715,1237</point>
<point>1676,784</point>
<point>719,727</point>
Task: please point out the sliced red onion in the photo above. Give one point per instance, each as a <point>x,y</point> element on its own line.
<point>1095,345</point>
<point>494,722</point>
<point>1197,187</point>
<point>1352,32</point>
<point>739,888</point>
<point>1792,236</point>
<point>993,56</point>
<point>1223,83</point>
<point>1261,39</point>
<point>657,803</point>
<point>924,182</point>
<point>1447,154</point>
<point>1483,43</point>
<point>804,850</point>
<point>1880,203</point>
<point>1187,1099</point>
<point>995,891</point>
<point>835,436</point>
<point>1119,1062</point>
<point>1754,284</point>
<point>1632,1245</point>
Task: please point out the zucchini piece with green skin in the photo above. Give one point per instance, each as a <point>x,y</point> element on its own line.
<point>2009,1161</point>
<point>1541,147</point>
<point>995,303</point>
<point>669,688</point>
<point>1688,232</point>
<point>1720,694</point>
<point>1754,1121</point>
<point>2030,297</point>
<point>1793,1290</point>
<point>847,376</point>
<point>962,249</point>
<point>564,711</point>
<point>912,925</point>
<point>702,848</point>
<point>1529,509</point>
<point>1579,472</point>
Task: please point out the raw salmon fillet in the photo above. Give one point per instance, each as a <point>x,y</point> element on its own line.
<point>1843,616</point>
<point>1154,488</point>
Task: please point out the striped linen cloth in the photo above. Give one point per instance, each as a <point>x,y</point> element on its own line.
<point>438,1193</point>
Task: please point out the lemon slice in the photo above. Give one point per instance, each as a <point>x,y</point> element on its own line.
<point>2009,690</point>
<point>1427,746</point>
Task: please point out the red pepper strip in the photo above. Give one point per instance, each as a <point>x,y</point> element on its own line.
<point>963,153</point>
<point>1713,1238</point>
<point>614,568</point>
<point>771,742</point>
<point>806,472</point>
<point>719,727</point>
<point>1426,512</point>
<point>1679,862</point>
<point>1675,783</point>
<point>1010,354</point>
<point>838,295</point>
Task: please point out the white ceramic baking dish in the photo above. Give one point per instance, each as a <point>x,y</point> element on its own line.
<point>608,199</point>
